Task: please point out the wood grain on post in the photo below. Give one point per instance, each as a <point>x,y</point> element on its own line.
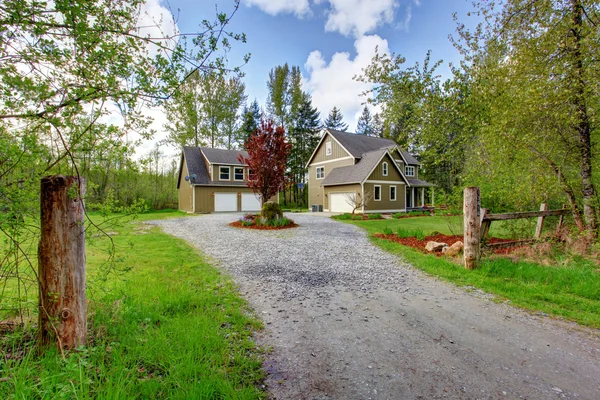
<point>540,222</point>
<point>471,227</point>
<point>61,263</point>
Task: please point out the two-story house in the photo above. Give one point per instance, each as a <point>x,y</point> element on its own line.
<point>213,180</point>
<point>346,168</point>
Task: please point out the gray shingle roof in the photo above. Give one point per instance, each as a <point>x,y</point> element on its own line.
<point>419,183</point>
<point>196,165</point>
<point>357,172</point>
<point>409,158</point>
<point>223,156</point>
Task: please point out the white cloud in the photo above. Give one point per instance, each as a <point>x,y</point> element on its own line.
<point>357,17</point>
<point>274,7</point>
<point>332,84</point>
<point>155,21</point>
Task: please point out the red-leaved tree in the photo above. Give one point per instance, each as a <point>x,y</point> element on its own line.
<point>268,152</point>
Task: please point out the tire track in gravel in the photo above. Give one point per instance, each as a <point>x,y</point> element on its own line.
<point>348,321</point>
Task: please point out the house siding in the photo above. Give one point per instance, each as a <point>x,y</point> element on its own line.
<point>336,151</point>
<point>393,174</point>
<point>339,189</point>
<point>386,203</point>
<point>185,191</point>
<point>315,190</point>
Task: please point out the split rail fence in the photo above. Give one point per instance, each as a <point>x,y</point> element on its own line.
<point>477,223</point>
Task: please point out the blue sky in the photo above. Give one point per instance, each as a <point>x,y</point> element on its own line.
<point>331,40</point>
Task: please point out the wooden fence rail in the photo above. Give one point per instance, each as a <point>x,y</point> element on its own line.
<point>477,222</point>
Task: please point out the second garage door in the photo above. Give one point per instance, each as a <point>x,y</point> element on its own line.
<point>226,202</point>
<point>250,202</point>
<point>338,202</point>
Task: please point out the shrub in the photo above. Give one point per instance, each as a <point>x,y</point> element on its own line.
<point>405,233</point>
<point>271,211</point>
<point>387,231</point>
<point>375,216</point>
<point>398,215</point>
<point>279,222</point>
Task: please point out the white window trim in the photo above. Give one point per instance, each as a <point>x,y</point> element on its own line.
<point>406,169</point>
<point>395,193</point>
<point>328,149</point>
<point>317,173</point>
<point>228,173</point>
<point>243,174</point>
<point>385,168</point>
<point>374,192</point>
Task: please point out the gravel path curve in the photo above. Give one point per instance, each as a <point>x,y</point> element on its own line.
<point>347,320</point>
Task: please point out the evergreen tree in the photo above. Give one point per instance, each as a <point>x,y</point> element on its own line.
<point>335,120</point>
<point>251,119</point>
<point>377,125</point>
<point>365,123</point>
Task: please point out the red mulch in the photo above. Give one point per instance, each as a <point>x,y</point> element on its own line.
<point>440,238</point>
<point>238,224</point>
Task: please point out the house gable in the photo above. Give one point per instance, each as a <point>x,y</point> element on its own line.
<point>328,144</point>
<point>393,174</point>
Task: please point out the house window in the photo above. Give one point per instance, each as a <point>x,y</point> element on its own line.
<point>238,174</point>
<point>384,166</point>
<point>250,174</point>
<point>328,148</point>
<point>392,193</point>
<point>410,171</point>
<point>224,173</point>
<point>377,193</point>
<point>320,172</point>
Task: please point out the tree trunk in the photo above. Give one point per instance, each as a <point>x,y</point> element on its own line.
<point>583,129</point>
<point>61,263</point>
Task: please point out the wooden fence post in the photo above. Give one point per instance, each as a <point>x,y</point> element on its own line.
<point>471,211</point>
<point>61,263</point>
<point>540,222</point>
<point>484,225</point>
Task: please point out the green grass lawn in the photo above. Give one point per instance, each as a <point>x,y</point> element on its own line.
<point>570,288</point>
<point>163,323</point>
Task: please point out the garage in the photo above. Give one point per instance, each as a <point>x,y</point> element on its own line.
<point>250,202</point>
<point>226,202</point>
<point>338,202</point>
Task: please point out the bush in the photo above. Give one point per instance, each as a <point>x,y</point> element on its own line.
<point>348,216</point>
<point>375,216</point>
<point>405,233</point>
<point>279,222</point>
<point>387,231</point>
<point>271,211</point>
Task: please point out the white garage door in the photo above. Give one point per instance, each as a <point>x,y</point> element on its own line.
<point>250,202</point>
<point>226,201</point>
<point>338,202</point>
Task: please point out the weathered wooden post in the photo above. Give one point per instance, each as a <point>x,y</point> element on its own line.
<point>471,211</point>
<point>61,263</point>
<point>540,222</point>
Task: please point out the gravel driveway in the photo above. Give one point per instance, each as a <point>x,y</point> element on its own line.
<point>348,321</point>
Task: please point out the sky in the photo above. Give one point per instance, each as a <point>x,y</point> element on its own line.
<point>330,40</point>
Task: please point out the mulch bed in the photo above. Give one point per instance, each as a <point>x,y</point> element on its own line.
<point>440,238</point>
<point>238,224</point>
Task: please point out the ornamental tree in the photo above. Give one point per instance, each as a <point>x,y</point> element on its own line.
<point>268,153</point>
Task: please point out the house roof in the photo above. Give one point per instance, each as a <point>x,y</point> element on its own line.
<point>419,183</point>
<point>223,156</point>
<point>409,158</point>
<point>194,159</point>
<point>357,145</point>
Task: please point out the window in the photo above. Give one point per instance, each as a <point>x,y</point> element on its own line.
<point>384,166</point>
<point>328,148</point>
<point>410,171</point>
<point>392,193</point>
<point>377,193</point>
<point>320,172</point>
<point>224,173</point>
<point>250,174</point>
<point>238,174</point>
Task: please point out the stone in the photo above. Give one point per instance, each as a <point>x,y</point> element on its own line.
<point>435,246</point>
<point>455,249</point>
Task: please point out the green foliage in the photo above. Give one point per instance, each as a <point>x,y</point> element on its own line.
<point>347,217</point>
<point>374,216</point>
<point>271,211</point>
<point>335,120</point>
<point>388,231</point>
<point>364,126</point>
<point>172,327</point>
<point>279,222</point>
<point>406,233</point>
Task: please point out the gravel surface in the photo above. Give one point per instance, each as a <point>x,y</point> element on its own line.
<point>346,320</point>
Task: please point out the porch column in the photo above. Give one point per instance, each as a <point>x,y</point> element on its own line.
<point>422,197</point>
<point>412,193</point>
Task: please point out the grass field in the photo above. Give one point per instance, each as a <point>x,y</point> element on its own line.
<point>568,287</point>
<point>163,323</point>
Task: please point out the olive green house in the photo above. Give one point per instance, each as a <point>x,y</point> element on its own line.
<point>214,180</point>
<point>371,174</point>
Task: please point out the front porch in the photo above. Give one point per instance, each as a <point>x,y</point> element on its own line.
<point>415,198</point>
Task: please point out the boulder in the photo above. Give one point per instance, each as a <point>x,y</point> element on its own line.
<point>435,246</point>
<point>454,249</point>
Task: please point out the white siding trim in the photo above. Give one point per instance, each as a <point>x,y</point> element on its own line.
<point>387,182</point>
<point>386,211</point>
<point>330,161</point>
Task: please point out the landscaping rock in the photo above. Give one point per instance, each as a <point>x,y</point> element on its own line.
<point>435,246</point>
<point>455,249</point>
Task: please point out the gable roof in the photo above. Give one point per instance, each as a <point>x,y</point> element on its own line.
<point>194,158</point>
<point>223,156</point>
<point>357,144</point>
<point>359,172</point>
